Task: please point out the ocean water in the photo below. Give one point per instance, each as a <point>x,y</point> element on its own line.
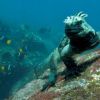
<point>29,32</point>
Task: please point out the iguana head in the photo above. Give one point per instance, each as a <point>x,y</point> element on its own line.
<point>77,26</point>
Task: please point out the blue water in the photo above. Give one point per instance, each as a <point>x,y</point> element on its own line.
<point>48,12</point>
<point>43,14</point>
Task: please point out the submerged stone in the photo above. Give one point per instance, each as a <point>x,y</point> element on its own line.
<point>86,86</point>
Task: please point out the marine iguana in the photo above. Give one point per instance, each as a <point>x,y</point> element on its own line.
<point>79,37</point>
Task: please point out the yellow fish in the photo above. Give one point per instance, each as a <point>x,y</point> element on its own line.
<point>2,68</point>
<point>8,42</point>
<point>20,50</point>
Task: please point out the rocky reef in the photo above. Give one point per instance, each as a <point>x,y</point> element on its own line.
<point>19,53</point>
<point>85,86</point>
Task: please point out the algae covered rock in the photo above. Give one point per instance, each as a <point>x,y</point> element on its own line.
<point>29,89</point>
<point>86,86</point>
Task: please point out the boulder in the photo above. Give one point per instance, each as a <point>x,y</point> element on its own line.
<point>85,86</point>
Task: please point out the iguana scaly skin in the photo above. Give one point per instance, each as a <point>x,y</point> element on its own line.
<point>79,37</point>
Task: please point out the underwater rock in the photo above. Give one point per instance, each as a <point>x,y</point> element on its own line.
<point>86,86</point>
<point>31,88</point>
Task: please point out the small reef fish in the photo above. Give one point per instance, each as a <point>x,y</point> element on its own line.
<point>20,50</point>
<point>8,42</point>
<point>2,69</point>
